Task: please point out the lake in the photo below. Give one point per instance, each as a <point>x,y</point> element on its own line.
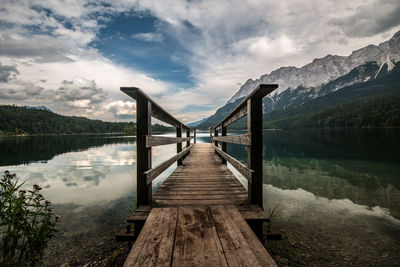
<point>335,192</point>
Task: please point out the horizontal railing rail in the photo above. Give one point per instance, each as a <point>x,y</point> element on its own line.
<point>251,107</point>
<point>146,108</point>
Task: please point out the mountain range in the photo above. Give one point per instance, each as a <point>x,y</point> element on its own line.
<point>299,87</point>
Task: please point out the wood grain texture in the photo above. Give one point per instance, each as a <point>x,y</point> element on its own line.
<point>154,246</point>
<point>240,139</point>
<point>163,140</point>
<point>198,235</point>
<point>196,240</point>
<point>201,179</point>
<point>241,246</point>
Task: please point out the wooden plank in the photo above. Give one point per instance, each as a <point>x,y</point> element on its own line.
<point>138,216</point>
<point>197,242</point>
<point>241,139</point>
<point>163,140</point>
<point>206,197</point>
<point>154,246</point>
<point>123,235</point>
<point>157,112</point>
<point>245,171</point>
<point>241,246</point>
<point>157,170</point>
<point>191,202</point>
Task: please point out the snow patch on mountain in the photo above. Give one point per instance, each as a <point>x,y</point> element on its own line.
<point>322,70</point>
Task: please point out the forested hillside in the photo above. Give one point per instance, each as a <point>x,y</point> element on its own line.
<point>22,120</point>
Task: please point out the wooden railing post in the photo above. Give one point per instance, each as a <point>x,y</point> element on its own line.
<point>179,145</point>
<point>143,154</point>
<point>194,135</point>
<point>187,135</point>
<point>216,134</point>
<point>223,133</point>
<point>255,153</point>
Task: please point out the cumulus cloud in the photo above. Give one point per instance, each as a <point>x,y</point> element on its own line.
<point>80,92</point>
<point>121,109</point>
<point>6,72</point>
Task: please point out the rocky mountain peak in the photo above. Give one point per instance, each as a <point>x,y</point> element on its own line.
<point>322,70</point>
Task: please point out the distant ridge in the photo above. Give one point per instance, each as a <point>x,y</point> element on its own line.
<point>40,108</point>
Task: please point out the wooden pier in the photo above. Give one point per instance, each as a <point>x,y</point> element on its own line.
<point>201,215</point>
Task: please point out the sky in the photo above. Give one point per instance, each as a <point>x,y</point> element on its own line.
<point>191,56</point>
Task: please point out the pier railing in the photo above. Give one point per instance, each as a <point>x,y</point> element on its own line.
<point>252,107</point>
<point>145,109</point>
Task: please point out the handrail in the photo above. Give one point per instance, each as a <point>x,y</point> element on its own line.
<point>253,108</point>
<point>145,109</point>
<point>261,91</point>
<point>156,110</point>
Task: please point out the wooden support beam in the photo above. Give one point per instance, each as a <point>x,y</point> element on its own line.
<point>255,151</point>
<point>194,135</point>
<point>179,145</point>
<point>241,139</point>
<point>243,169</point>
<point>215,135</point>
<point>157,170</point>
<point>188,138</point>
<point>223,144</point>
<point>143,153</point>
<point>162,140</point>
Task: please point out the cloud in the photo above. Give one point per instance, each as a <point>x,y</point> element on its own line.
<point>223,43</point>
<point>40,48</point>
<point>80,92</point>
<point>6,72</point>
<point>371,19</point>
<point>148,37</point>
<point>122,109</point>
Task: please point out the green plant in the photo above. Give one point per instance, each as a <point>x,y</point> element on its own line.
<point>26,223</point>
<point>271,213</point>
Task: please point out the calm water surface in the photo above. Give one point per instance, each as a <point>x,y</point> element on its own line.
<point>335,193</point>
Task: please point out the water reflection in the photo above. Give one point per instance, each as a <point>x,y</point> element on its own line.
<point>27,149</point>
<point>91,181</point>
<point>359,165</point>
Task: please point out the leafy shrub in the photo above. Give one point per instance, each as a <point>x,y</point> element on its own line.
<point>26,223</point>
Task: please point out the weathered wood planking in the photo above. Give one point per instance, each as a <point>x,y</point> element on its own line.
<point>201,179</point>
<point>196,240</point>
<point>241,246</point>
<point>157,170</point>
<point>155,242</point>
<point>197,236</point>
